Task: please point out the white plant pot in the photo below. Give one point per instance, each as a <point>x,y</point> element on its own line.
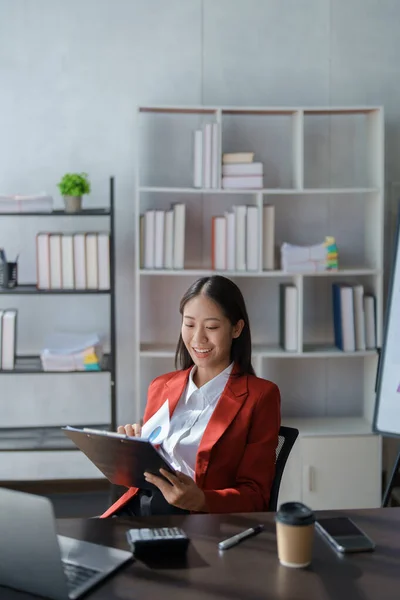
<point>73,203</point>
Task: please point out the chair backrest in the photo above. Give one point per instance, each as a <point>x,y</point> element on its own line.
<point>286,440</point>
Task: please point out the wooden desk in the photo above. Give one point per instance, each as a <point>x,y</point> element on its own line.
<point>250,570</point>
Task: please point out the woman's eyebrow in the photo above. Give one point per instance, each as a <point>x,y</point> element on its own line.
<point>207,319</point>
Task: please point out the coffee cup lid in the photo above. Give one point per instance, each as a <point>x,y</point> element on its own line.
<point>295,513</point>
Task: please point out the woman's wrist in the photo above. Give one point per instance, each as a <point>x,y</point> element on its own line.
<point>202,507</point>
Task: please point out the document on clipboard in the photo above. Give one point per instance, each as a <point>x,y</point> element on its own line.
<point>121,458</point>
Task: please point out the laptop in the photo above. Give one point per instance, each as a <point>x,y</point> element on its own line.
<point>33,558</point>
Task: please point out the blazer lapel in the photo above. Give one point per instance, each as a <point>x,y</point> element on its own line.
<point>173,389</point>
<point>229,404</point>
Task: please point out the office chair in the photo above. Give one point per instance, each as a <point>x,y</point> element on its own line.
<point>286,440</point>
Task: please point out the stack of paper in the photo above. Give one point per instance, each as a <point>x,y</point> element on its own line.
<point>72,352</point>
<point>41,202</point>
<point>309,259</point>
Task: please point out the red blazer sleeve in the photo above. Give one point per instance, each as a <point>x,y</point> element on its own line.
<point>256,470</point>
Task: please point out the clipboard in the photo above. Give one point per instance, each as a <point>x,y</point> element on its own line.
<point>121,458</point>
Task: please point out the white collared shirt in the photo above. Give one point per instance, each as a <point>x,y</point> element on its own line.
<point>190,418</point>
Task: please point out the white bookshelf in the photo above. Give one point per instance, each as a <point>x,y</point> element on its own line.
<point>324,173</point>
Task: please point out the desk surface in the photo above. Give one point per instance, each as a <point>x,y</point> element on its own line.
<point>250,570</point>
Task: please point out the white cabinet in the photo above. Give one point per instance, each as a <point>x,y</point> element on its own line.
<point>324,174</point>
<point>340,472</point>
<point>334,471</point>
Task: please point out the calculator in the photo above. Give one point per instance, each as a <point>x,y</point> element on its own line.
<point>157,539</point>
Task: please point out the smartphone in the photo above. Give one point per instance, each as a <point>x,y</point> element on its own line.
<point>344,535</point>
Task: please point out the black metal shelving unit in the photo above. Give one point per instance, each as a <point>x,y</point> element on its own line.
<point>24,439</point>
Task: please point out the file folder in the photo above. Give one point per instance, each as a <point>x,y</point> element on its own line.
<point>122,459</point>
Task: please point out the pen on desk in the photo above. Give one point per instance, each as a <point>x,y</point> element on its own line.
<point>232,541</point>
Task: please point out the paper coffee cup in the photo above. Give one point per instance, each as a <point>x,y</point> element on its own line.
<point>295,534</point>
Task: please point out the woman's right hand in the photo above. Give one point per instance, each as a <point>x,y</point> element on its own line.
<point>134,430</point>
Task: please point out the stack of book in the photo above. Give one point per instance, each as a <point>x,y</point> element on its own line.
<point>78,261</point>
<point>310,259</point>
<point>21,204</point>
<point>206,156</point>
<point>162,238</point>
<point>8,343</point>
<point>240,172</point>
<point>354,318</point>
<point>72,352</point>
<point>235,239</point>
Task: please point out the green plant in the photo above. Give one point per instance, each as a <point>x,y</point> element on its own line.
<point>74,184</point>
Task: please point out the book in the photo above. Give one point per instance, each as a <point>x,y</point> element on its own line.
<point>8,339</point>
<point>198,159</point>
<point>237,157</point>
<point>343,317</point>
<point>370,321</point>
<point>55,261</point>
<point>43,261</point>
<point>159,224</point>
<point>215,157</point>
<point>244,182</point>
<point>218,237</point>
<point>92,273</point>
<point>67,261</point>
<point>268,237</point>
<point>230,240</point>
<point>240,237</point>
<point>207,155</point>
<point>239,169</point>
<point>252,238</point>
<point>149,243</point>
<point>80,261</point>
<point>179,236</point>
<point>359,316</point>
<point>288,317</point>
<point>169,240</point>
<point>103,256</point>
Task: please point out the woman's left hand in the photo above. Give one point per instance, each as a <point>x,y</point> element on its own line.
<point>181,492</point>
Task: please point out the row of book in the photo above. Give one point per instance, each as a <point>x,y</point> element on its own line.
<point>239,171</point>
<point>162,238</point>
<point>8,329</point>
<point>206,156</point>
<point>70,261</point>
<point>235,239</point>
<point>354,317</point>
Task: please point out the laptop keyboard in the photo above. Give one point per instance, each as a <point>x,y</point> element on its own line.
<point>77,574</point>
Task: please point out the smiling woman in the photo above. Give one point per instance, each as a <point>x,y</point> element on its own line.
<point>224,421</point>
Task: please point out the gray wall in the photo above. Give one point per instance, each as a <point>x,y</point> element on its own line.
<point>72,72</point>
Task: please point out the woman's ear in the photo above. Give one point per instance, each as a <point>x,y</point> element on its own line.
<point>238,328</point>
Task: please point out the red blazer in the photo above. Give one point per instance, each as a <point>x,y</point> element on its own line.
<point>235,463</point>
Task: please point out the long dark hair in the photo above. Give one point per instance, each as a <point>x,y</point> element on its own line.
<point>229,298</point>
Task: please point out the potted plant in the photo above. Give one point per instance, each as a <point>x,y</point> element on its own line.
<point>72,186</point>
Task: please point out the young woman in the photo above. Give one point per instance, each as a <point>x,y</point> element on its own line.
<point>224,421</point>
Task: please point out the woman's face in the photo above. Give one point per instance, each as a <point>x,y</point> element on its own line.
<point>208,334</point>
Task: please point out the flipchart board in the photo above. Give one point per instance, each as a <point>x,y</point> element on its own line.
<point>387,406</point>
